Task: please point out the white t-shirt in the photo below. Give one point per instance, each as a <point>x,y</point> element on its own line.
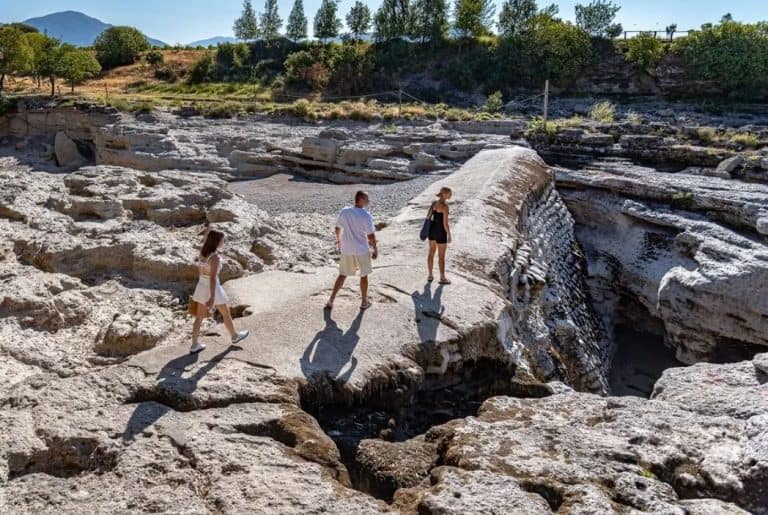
<point>356,224</point>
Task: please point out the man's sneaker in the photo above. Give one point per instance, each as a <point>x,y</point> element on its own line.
<point>198,347</point>
<point>242,335</point>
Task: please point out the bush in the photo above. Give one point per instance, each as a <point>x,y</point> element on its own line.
<point>645,51</point>
<point>302,108</point>
<point>552,49</point>
<point>203,70</point>
<point>232,61</point>
<point>118,46</point>
<point>167,74</point>
<point>604,112</point>
<point>352,69</point>
<point>733,54</point>
<point>706,134</point>
<point>745,139</point>
<point>495,102</point>
<point>540,128</point>
<point>634,118</point>
<point>307,68</point>
<point>154,58</point>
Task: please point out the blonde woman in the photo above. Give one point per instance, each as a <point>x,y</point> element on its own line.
<point>439,234</point>
<point>209,294</point>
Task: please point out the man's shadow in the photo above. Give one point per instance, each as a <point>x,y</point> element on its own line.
<point>172,391</point>
<point>330,351</point>
<point>428,309</point>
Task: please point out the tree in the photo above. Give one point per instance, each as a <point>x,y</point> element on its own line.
<point>392,20</point>
<point>118,46</point>
<point>516,17</point>
<point>247,25</point>
<point>48,66</point>
<point>327,24</point>
<point>473,17</point>
<point>596,18</point>
<point>270,21</point>
<point>726,18</point>
<point>297,22</point>
<point>429,20</point>
<point>39,45</point>
<point>15,53</point>
<point>76,65</point>
<point>359,19</point>
<point>671,29</point>
<point>552,10</point>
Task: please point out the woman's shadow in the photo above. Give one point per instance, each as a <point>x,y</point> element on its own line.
<point>330,351</point>
<point>172,391</point>
<point>428,309</point>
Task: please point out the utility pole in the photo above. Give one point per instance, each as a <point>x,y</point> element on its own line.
<point>546,100</point>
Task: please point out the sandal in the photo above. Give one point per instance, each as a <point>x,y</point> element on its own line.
<point>365,306</point>
<point>328,307</point>
<point>430,279</point>
<point>444,282</point>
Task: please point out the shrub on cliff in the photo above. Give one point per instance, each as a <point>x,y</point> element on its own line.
<point>733,54</point>
<point>645,51</point>
<point>118,46</point>
<point>203,70</point>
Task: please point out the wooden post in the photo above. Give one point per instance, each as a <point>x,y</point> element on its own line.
<point>399,103</point>
<point>106,91</point>
<point>546,100</point>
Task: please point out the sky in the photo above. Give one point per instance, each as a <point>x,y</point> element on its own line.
<point>184,21</point>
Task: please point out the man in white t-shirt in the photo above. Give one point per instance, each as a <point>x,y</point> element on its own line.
<point>356,240</point>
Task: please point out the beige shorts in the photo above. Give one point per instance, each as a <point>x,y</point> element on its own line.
<point>349,265</point>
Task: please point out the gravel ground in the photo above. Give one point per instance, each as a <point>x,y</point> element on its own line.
<point>285,193</point>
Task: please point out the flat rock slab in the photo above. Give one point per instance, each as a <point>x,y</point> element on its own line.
<point>413,327</point>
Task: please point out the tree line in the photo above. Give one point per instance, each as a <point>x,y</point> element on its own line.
<point>421,20</point>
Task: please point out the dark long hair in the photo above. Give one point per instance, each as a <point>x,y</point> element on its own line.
<point>212,242</point>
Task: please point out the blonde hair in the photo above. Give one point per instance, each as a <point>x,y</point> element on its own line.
<point>445,191</point>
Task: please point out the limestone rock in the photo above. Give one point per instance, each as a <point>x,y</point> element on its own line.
<point>67,154</point>
<point>730,165</point>
<point>132,333</point>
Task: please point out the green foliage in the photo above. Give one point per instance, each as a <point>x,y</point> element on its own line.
<point>118,46</point>
<point>392,20</point>
<point>733,54</point>
<point>232,61</point>
<point>351,69</point>
<point>429,20</point>
<point>16,55</point>
<point>538,128</point>
<point>745,139</point>
<point>76,65</point>
<point>203,70</point>
<point>297,22</point>
<point>596,18</point>
<point>516,17</point>
<point>246,27</point>
<point>682,200</point>
<point>327,23</point>
<point>706,134</point>
<point>645,51</point>
<point>495,102</point>
<point>473,17</point>
<point>302,107</point>
<point>154,58</point>
<point>167,74</point>
<point>270,21</point>
<point>308,68</point>
<point>359,19</point>
<point>604,112</point>
<point>552,49</point>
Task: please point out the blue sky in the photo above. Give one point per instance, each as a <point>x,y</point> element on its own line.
<point>182,21</point>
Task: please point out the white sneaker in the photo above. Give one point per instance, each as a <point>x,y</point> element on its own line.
<point>198,347</point>
<point>242,335</point>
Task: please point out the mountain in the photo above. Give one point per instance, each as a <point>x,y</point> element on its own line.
<point>213,41</point>
<point>74,28</point>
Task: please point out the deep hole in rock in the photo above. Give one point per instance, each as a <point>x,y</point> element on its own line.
<point>400,417</point>
<point>64,457</point>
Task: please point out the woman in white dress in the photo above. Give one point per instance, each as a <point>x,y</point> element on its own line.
<point>209,294</point>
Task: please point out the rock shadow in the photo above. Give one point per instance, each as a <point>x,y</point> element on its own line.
<point>172,391</point>
<point>428,309</point>
<point>331,350</point>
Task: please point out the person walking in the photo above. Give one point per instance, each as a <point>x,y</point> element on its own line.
<point>209,295</point>
<point>356,240</point>
<point>439,234</point>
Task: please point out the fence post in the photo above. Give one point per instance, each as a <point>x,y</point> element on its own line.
<point>106,91</point>
<point>546,100</point>
<point>399,103</point>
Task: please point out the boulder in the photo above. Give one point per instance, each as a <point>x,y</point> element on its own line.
<point>729,166</point>
<point>67,154</point>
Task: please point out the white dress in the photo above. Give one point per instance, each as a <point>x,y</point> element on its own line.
<point>203,290</point>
